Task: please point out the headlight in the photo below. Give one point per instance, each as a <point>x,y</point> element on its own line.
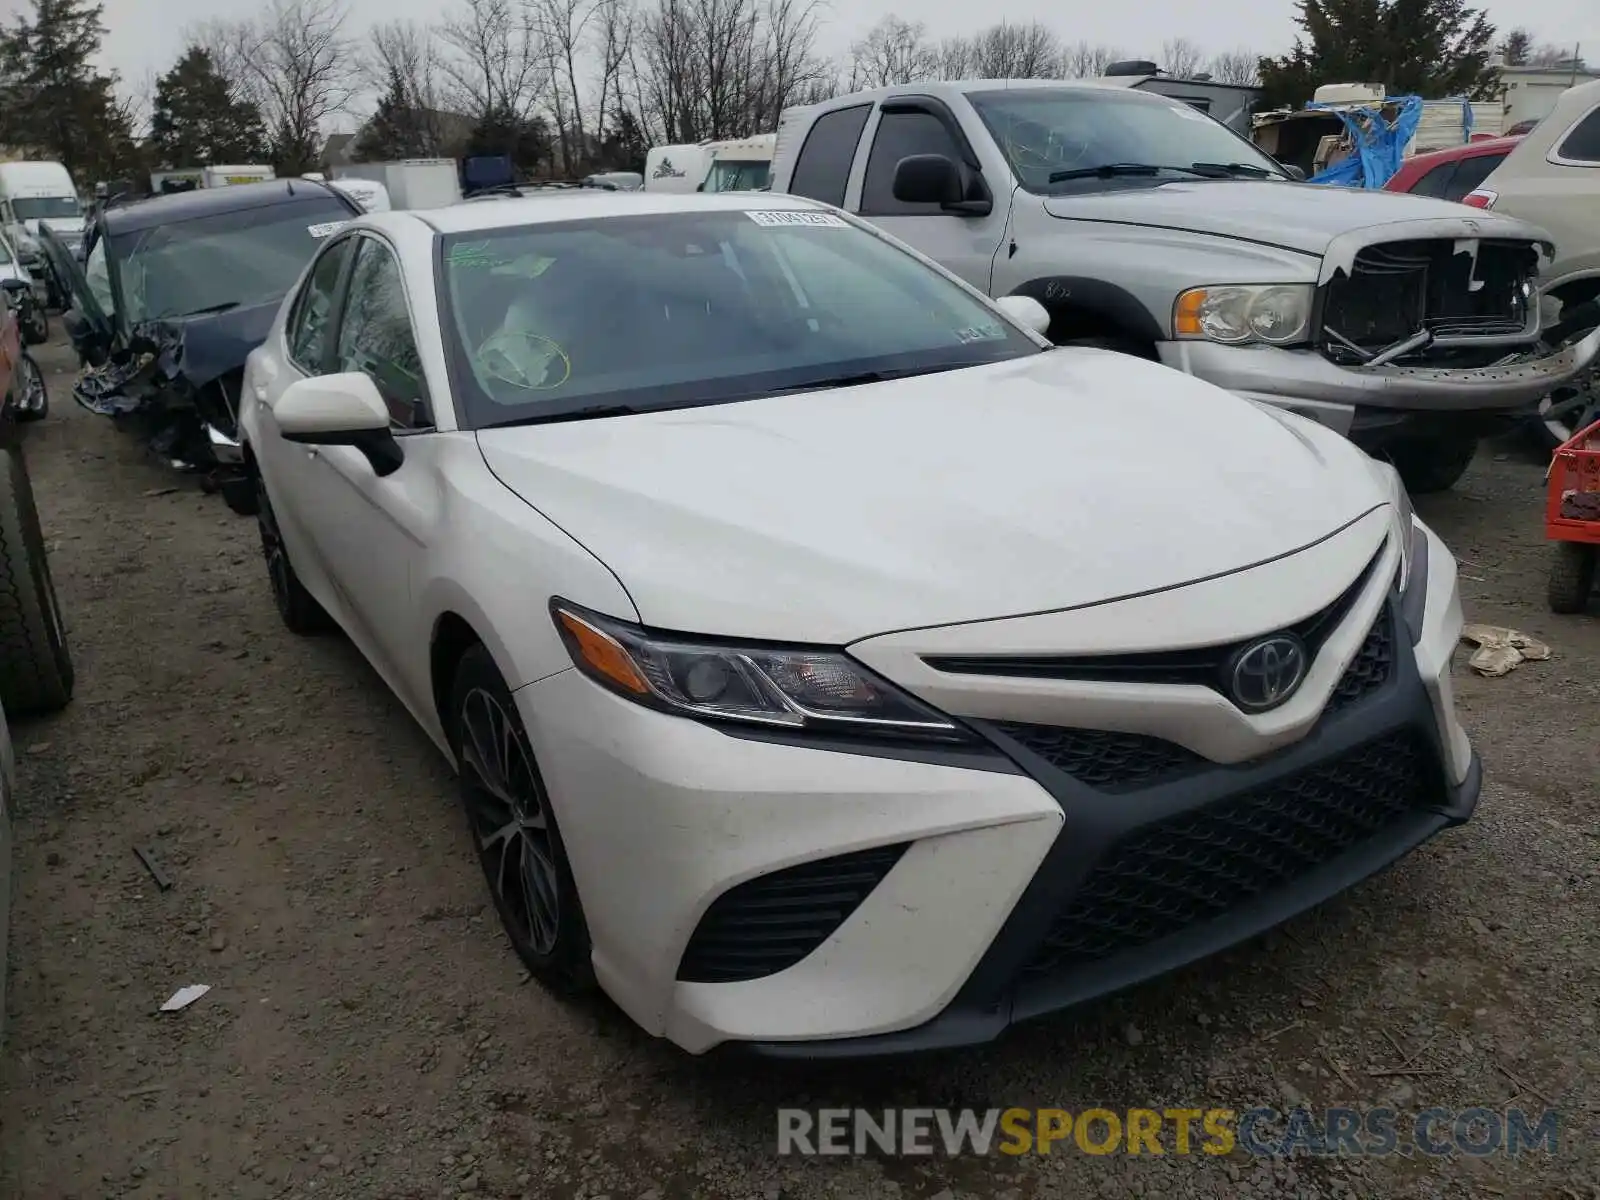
<point>773,686</point>
<point>1277,313</point>
<point>1405,521</point>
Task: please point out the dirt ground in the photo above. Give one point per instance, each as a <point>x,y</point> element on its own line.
<point>369,1033</point>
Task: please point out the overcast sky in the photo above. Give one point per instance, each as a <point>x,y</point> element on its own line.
<point>145,36</point>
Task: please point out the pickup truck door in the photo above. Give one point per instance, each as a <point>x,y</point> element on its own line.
<point>965,243</point>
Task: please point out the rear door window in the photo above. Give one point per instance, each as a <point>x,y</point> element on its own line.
<point>823,168</point>
<point>1470,174</point>
<point>1436,183</point>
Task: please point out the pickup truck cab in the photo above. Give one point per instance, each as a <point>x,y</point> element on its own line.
<point>1410,325</point>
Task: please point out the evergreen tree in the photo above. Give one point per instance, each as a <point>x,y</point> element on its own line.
<point>397,128</point>
<point>1516,48</point>
<point>198,118</point>
<point>526,141</point>
<point>57,103</point>
<point>1428,48</point>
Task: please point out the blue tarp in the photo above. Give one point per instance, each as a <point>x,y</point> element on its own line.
<point>1379,144</point>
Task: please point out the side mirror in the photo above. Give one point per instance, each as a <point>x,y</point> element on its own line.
<point>1026,311</point>
<point>927,179</point>
<point>340,410</point>
<point>1294,172</point>
<point>16,286</point>
<point>89,347</point>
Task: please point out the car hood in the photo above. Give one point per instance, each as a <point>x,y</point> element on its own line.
<point>216,343</point>
<point>1294,216</point>
<point>1065,479</point>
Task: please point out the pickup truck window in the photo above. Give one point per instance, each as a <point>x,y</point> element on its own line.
<point>1046,131</point>
<point>1470,174</point>
<point>1583,143</point>
<point>823,168</point>
<point>1436,183</point>
<point>900,135</point>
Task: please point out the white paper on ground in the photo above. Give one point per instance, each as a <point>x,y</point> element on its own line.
<point>185,996</point>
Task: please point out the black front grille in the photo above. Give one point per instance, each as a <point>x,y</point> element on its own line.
<point>769,923</point>
<point>1121,762</point>
<point>1204,666</point>
<point>1174,874</point>
<point>1370,669</point>
<point>1395,290</point>
<point>1111,762</point>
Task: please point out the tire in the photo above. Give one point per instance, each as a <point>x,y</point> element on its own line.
<point>1572,570</point>
<point>35,667</point>
<point>1434,465</point>
<point>299,609</point>
<point>32,401</point>
<point>554,944</point>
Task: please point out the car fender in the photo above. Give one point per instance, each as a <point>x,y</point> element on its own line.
<point>1100,296</point>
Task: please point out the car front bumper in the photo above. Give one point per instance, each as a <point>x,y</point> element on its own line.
<point>1338,397</point>
<point>994,848</point>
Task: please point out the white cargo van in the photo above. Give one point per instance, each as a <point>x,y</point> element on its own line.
<point>408,183</point>
<point>31,192</point>
<point>680,168</point>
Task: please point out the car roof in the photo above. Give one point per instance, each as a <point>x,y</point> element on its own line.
<point>1499,145</point>
<point>588,204</point>
<point>208,202</point>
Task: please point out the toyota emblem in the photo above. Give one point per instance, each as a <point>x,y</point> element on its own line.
<point>1267,672</point>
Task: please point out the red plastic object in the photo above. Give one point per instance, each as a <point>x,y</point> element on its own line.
<point>1574,470</point>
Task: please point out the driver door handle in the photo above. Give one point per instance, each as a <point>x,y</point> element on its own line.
<point>312,452</point>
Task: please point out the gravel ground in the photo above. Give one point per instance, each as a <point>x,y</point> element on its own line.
<point>369,1034</point>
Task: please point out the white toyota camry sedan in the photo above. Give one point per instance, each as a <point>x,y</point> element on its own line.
<point>831,666</point>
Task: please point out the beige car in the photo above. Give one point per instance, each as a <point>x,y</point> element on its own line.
<point>1552,179</point>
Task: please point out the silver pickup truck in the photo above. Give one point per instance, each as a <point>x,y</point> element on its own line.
<point>1411,325</point>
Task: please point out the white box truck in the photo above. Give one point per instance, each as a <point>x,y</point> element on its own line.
<point>411,182</point>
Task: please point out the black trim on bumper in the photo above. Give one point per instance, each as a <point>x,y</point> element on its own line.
<point>1378,429</point>
<point>999,993</point>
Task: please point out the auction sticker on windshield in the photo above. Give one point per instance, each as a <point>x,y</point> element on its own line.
<point>325,228</point>
<point>783,217</point>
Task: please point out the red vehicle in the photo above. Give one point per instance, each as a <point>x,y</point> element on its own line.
<point>1451,174</point>
<point>1572,520</point>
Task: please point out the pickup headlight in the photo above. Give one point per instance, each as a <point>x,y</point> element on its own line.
<point>778,687</point>
<point>1278,314</point>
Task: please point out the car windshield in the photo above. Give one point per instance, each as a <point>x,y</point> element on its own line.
<point>233,259</point>
<point>1107,138</point>
<point>729,176</point>
<point>48,207</point>
<point>660,311</point>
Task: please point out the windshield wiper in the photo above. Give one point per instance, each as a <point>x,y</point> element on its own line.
<point>1111,170</point>
<point>1236,168</point>
<point>199,312</point>
<point>571,414</point>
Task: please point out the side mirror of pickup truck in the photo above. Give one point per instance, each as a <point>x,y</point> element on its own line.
<point>1298,174</point>
<point>935,179</point>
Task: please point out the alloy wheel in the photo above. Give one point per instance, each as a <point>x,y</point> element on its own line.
<point>273,550</point>
<point>509,813</point>
<point>1567,409</point>
<point>32,400</point>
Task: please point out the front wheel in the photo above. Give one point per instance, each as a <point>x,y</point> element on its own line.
<point>1433,464</point>
<point>298,608</point>
<point>514,829</point>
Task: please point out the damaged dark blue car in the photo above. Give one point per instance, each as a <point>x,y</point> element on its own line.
<point>173,294</point>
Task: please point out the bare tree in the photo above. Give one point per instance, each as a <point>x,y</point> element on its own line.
<point>893,51</point>
<point>296,64</point>
<point>1007,51</point>
<point>1087,61</point>
<point>957,56</point>
<point>402,55</point>
<point>495,60</point>
<point>1181,58</point>
<point>791,71</point>
<point>563,27</point>
<point>615,23</point>
<point>1547,54</point>
<point>1239,66</point>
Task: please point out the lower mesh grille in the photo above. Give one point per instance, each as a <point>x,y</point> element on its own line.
<point>1196,866</point>
<point>770,923</point>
